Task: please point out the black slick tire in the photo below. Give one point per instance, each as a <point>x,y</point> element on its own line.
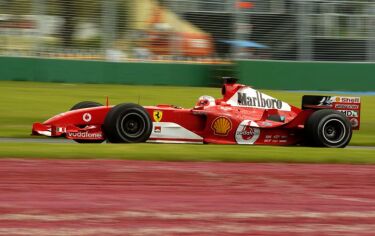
<point>127,123</point>
<point>328,128</point>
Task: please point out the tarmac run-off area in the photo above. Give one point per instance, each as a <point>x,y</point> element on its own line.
<point>114,197</point>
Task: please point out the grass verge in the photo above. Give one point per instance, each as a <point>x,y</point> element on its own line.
<point>189,152</point>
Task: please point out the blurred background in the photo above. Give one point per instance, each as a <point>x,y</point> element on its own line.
<point>271,44</point>
<point>189,30</point>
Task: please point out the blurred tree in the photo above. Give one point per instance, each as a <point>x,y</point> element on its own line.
<point>122,22</point>
<point>15,7</point>
<point>75,11</point>
<point>162,3</point>
<point>68,10</point>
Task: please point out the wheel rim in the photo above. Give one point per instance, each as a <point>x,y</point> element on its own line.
<point>132,125</point>
<point>334,131</point>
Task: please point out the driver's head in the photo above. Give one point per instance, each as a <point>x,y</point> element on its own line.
<point>206,101</point>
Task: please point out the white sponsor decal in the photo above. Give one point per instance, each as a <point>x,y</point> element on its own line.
<point>247,132</point>
<point>349,113</point>
<point>46,133</point>
<point>349,99</point>
<point>276,139</point>
<point>85,134</point>
<point>330,100</point>
<point>60,129</point>
<point>86,117</point>
<point>170,130</point>
<point>157,129</point>
<point>249,97</point>
<point>354,122</point>
<point>326,101</point>
<point>347,106</point>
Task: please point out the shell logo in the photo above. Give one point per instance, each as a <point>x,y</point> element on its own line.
<point>221,126</point>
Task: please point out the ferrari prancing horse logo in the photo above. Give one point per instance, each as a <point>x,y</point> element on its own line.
<point>157,115</point>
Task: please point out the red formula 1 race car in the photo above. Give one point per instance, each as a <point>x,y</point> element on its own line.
<point>242,116</point>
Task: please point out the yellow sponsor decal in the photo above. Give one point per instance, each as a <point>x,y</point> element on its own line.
<point>157,115</point>
<point>221,126</point>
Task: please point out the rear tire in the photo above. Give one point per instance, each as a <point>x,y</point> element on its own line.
<point>127,123</point>
<point>86,104</point>
<point>328,128</point>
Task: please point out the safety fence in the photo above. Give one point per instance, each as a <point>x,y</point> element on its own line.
<point>195,31</point>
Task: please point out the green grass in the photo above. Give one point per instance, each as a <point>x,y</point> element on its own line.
<point>22,103</point>
<point>189,152</point>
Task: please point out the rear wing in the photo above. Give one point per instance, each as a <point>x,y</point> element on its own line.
<point>349,106</point>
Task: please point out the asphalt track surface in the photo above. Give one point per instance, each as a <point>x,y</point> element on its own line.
<point>114,197</point>
<point>60,140</point>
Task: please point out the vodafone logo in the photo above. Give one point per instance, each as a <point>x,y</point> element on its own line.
<point>86,117</point>
<point>85,135</point>
<point>247,132</point>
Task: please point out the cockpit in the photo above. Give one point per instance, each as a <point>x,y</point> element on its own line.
<point>206,101</point>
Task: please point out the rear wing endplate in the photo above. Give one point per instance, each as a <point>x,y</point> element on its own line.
<point>349,106</point>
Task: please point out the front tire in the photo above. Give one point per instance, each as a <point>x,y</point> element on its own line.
<point>86,104</point>
<point>127,123</point>
<point>328,128</point>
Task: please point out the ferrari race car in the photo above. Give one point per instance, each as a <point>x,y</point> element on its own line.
<point>242,116</point>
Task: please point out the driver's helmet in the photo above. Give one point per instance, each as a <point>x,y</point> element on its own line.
<point>206,101</point>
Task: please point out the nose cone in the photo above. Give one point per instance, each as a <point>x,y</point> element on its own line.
<point>86,116</point>
<point>56,119</point>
